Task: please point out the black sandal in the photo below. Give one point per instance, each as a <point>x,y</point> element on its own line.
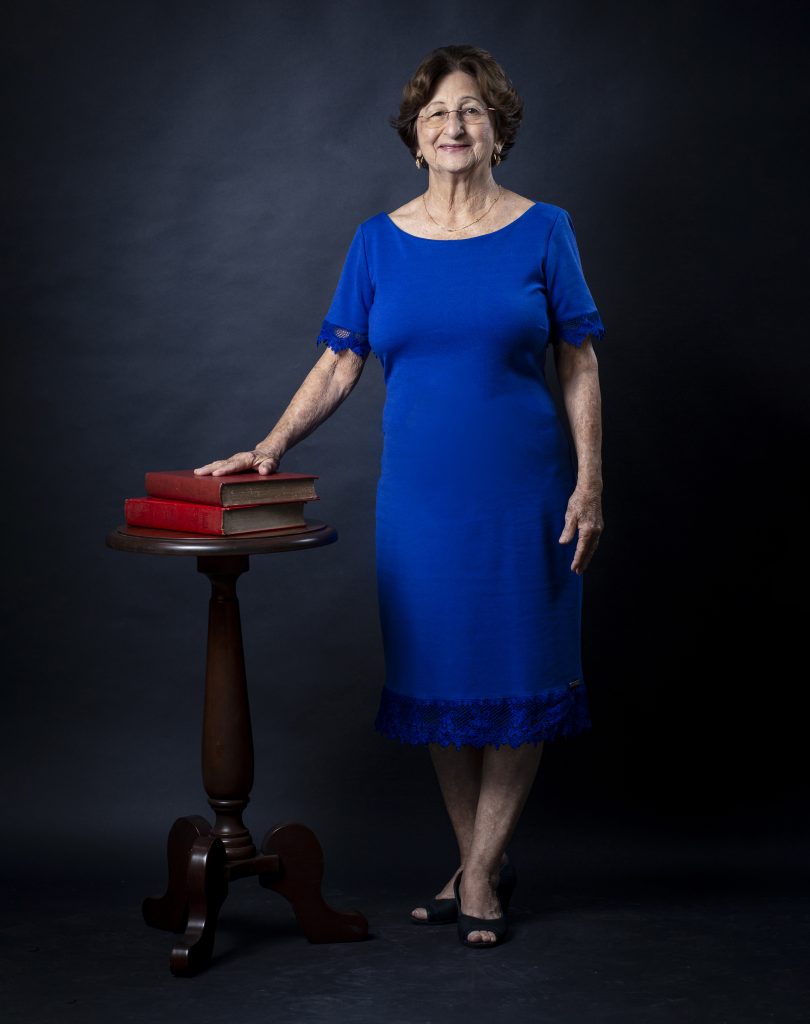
<point>438,912</point>
<point>445,911</point>
<point>497,925</point>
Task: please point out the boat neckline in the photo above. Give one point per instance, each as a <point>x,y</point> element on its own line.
<point>472,238</point>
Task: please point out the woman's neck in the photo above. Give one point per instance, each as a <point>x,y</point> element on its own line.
<point>455,200</point>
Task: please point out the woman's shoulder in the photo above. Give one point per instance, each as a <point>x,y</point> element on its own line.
<point>407,210</point>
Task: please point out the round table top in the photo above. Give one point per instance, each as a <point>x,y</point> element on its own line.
<point>143,540</point>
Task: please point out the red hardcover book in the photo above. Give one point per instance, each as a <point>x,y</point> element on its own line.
<point>231,490</point>
<point>190,517</point>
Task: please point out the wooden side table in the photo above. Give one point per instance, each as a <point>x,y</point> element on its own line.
<point>204,859</point>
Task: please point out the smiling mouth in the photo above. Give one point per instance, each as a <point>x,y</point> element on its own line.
<point>453,147</point>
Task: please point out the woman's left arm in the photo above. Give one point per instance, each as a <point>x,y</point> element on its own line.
<point>578,374</point>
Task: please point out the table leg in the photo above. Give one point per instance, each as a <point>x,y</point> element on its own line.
<point>227,747</point>
<point>203,858</point>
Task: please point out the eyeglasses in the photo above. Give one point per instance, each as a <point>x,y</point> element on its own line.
<point>471,114</point>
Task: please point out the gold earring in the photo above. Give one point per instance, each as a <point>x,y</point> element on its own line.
<point>496,157</point>
<point>420,162</point>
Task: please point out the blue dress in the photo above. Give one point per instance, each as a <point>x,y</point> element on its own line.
<point>479,609</point>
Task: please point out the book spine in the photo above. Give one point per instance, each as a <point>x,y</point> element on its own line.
<point>207,490</point>
<point>162,514</point>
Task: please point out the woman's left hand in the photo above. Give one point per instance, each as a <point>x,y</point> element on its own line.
<point>584,513</point>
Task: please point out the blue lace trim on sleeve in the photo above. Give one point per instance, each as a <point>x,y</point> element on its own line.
<point>576,331</point>
<point>339,338</point>
<point>562,711</point>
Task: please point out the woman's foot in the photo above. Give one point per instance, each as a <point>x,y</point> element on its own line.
<point>470,898</point>
<point>477,897</point>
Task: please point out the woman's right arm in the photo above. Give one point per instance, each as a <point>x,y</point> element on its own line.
<point>327,384</point>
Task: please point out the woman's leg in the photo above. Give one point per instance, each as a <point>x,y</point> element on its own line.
<point>459,774</point>
<point>507,776</point>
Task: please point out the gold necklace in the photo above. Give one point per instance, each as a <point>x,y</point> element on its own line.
<point>438,225</point>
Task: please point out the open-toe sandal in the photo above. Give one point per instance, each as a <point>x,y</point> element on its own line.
<point>467,923</point>
<point>438,912</point>
<point>445,911</point>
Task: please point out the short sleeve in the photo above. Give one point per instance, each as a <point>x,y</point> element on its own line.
<point>572,312</point>
<point>346,321</point>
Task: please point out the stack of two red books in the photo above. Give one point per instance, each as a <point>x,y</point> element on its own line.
<point>222,505</point>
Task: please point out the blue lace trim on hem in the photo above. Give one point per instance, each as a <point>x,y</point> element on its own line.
<point>339,338</point>
<point>552,715</point>
<point>575,331</point>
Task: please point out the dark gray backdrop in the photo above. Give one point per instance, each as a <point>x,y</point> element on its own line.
<point>184,180</point>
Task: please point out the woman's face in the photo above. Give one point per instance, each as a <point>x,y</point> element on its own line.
<point>456,147</point>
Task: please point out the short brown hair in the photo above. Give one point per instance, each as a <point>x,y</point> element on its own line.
<point>496,90</point>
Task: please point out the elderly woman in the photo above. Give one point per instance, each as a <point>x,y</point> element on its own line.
<point>483,525</point>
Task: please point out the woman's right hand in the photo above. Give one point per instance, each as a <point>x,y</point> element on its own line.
<point>242,462</point>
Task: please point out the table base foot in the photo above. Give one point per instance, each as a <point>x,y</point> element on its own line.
<point>170,911</point>
<point>299,881</point>
<point>207,889</point>
<point>290,862</point>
